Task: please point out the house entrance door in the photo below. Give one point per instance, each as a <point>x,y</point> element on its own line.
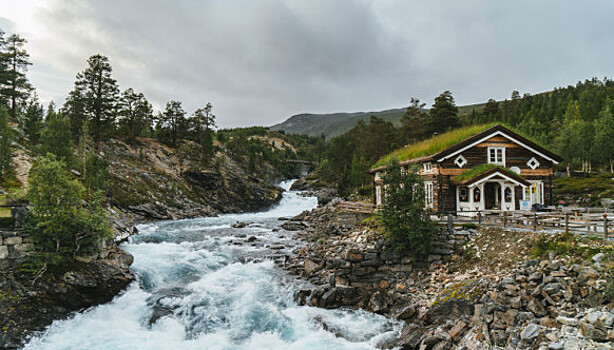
<point>491,195</point>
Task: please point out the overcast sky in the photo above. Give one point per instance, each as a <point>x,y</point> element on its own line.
<point>260,61</point>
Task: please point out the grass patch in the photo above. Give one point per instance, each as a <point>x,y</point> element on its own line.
<point>567,245</point>
<point>586,189</point>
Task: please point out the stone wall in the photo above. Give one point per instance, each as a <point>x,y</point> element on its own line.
<point>349,264</point>
<point>14,244</point>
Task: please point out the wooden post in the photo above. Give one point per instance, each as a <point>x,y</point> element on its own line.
<point>479,218</point>
<point>534,221</point>
<point>450,223</point>
<point>605,225</point>
<point>566,223</point>
<point>504,219</point>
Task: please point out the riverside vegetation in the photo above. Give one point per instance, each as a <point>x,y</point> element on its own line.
<point>82,175</point>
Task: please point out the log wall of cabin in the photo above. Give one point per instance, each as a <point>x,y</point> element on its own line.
<point>515,155</point>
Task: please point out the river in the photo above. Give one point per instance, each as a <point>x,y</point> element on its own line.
<point>211,286</point>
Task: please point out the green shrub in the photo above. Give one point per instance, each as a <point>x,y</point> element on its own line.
<point>61,221</point>
<point>403,217</point>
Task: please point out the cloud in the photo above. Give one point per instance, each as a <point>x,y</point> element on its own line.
<point>258,62</point>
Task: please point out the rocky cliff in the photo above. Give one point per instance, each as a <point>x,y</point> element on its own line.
<point>156,182</point>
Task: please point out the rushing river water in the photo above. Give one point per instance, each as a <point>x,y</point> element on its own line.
<point>211,286</point>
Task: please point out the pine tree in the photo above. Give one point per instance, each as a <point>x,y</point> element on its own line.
<point>15,86</point>
<point>94,98</point>
<point>443,116</point>
<point>135,112</point>
<point>413,122</point>
<point>172,122</point>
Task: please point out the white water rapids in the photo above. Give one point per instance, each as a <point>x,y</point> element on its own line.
<point>215,287</point>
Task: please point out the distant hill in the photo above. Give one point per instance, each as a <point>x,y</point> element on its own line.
<point>332,124</point>
<point>335,124</point>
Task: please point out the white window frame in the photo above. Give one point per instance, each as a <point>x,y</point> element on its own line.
<point>535,192</point>
<point>533,163</point>
<point>428,167</point>
<point>378,195</point>
<point>428,194</point>
<point>460,161</point>
<point>497,149</point>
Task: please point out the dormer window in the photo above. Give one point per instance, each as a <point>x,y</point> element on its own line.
<point>496,155</point>
<point>428,167</point>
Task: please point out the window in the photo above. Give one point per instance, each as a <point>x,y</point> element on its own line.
<point>496,155</point>
<point>535,192</point>
<point>508,195</point>
<point>533,163</point>
<point>378,195</point>
<point>460,161</point>
<point>463,194</point>
<point>428,194</point>
<point>476,195</point>
<point>428,167</point>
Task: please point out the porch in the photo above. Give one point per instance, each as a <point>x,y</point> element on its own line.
<point>494,190</point>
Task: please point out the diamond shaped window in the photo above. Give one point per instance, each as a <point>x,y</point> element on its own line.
<point>460,161</point>
<point>533,163</point>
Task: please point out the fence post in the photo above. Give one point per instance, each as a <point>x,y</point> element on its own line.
<point>605,226</point>
<point>566,223</point>
<point>479,218</point>
<point>534,221</point>
<point>504,219</point>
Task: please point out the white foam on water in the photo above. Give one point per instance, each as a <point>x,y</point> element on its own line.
<point>211,298</point>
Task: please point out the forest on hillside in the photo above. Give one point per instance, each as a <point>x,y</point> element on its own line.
<point>96,110</point>
<point>576,122</point>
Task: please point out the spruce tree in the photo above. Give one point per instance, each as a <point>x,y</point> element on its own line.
<point>32,122</point>
<point>56,136</point>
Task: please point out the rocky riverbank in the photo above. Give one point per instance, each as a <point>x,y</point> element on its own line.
<point>479,289</point>
<point>33,295</point>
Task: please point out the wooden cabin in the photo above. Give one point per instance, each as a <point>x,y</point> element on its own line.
<point>492,169</point>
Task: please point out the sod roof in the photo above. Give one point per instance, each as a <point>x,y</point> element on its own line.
<point>433,145</point>
<point>452,141</point>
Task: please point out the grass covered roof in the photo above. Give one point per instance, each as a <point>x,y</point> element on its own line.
<point>434,145</point>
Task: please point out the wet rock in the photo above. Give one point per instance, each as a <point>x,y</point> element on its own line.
<point>294,226</point>
<point>240,224</point>
<point>406,313</point>
<point>449,309</point>
<point>410,337</point>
